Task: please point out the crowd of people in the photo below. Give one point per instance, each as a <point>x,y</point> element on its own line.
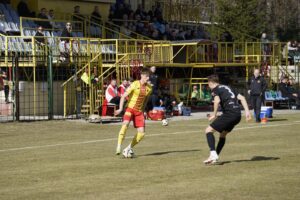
<point>151,23</point>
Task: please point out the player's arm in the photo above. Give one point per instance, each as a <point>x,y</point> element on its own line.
<point>121,105</point>
<point>245,106</point>
<point>217,101</point>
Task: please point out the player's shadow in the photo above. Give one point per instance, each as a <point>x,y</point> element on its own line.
<point>253,159</point>
<point>169,152</point>
<point>276,120</point>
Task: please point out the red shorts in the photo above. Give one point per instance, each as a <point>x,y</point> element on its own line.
<point>137,117</point>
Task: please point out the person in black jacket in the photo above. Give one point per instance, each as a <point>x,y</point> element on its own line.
<point>23,9</point>
<point>257,87</point>
<point>39,36</point>
<point>64,45</point>
<point>154,83</point>
<point>287,92</point>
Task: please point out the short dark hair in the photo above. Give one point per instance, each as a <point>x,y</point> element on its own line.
<point>145,71</point>
<point>213,78</point>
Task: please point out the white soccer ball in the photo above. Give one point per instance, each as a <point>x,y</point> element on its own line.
<point>128,153</point>
<point>165,122</point>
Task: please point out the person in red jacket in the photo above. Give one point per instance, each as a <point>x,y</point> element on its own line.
<point>122,87</point>
<point>111,93</point>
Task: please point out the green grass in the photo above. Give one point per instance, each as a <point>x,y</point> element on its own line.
<point>260,162</point>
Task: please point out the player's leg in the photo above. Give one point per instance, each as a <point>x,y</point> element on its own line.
<point>139,124</point>
<point>258,108</point>
<point>231,122</point>
<point>213,157</point>
<point>221,142</point>
<point>126,120</point>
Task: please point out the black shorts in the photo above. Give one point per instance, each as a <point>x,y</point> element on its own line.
<point>226,122</point>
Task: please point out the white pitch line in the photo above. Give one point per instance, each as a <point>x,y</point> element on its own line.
<point>151,135</point>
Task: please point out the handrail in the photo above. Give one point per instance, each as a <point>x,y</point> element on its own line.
<point>79,71</point>
<point>137,34</point>
<point>22,19</point>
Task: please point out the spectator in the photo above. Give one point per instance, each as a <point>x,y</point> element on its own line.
<point>287,91</point>
<point>6,86</point>
<point>39,36</point>
<point>120,11</point>
<point>111,93</point>
<point>154,83</point>
<point>64,45</point>
<point>257,87</point>
<point>96,16</point>
<point>125,29</point>
<point>111,15</point>
<point>151,12</point>
<point>43,15</point>
<point>23,9</point>
<point>2,27</point>
<point>122,88</point>
<point>79,18</point>
<point>195,96</point>
<point>264,45</point>
<point>51,18</point>
<point>78,82</point>
<point>140,11</point>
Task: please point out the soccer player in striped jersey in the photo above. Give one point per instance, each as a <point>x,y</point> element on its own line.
<point>138,93</point>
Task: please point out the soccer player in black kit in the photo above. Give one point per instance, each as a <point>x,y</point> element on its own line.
<point>228,99</point>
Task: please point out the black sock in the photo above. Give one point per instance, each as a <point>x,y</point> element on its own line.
<point>211,140</point>
<point>220,144</point>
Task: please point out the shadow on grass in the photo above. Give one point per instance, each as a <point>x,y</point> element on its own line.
<point>253,159</point>
<point>277,120</point>
<point>169,152</point>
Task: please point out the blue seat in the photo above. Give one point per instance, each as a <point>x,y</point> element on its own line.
<point>268,96</point>
<point>279,94</point>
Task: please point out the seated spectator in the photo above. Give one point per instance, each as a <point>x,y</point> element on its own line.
<point>39,36</point>
<point>119,12</point>
<point>122,88</point>
<point>51,18</point>
<point>195,96</point>
<point>23,9</point>
<point>2,27</point>
<point>287,91</point>
<point>43,15</point>
<point>141,12</point>
<point>111,93</point>
<point>125,29</point>
<point>96,16</point>
<point>151,12</point>
<point>64,45</point>
<point>195,93</point>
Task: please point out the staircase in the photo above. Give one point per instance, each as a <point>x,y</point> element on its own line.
<point>93,82</point>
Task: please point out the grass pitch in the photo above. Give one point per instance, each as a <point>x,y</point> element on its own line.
<point>75,160</point>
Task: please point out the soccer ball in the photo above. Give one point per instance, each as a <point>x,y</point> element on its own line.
<point>128,153</point>
<point>165,122</point>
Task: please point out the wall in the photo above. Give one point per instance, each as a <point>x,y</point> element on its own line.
<point>26,98</point>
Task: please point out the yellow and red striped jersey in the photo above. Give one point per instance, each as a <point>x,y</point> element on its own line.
<point>138,95</point>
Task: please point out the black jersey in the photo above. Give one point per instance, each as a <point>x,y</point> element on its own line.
<point>229,102</point>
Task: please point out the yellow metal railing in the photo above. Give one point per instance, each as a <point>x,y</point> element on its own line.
<point>93,93</point>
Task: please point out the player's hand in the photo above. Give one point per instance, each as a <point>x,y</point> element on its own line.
<point>117,112</point>
<point>249,92</point>
<point>248,116</point>
<point>212,117</point>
